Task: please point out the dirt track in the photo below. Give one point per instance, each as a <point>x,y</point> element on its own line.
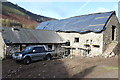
<point>71,67</point>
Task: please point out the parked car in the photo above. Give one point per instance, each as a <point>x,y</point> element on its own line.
<point>33,53</point>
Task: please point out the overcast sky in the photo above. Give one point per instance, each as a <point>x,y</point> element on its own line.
<point>61,10</point>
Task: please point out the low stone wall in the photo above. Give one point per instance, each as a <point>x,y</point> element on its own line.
<point>11,49</point>
<point>117,49</point>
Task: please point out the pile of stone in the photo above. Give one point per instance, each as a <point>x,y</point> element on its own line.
<point>109,51</point>
<point>108,55</point>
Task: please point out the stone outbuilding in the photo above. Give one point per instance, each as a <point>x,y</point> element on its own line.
<point>88,35</point>
<point>16,39</point>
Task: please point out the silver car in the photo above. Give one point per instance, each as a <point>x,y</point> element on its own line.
<point>33,53</point>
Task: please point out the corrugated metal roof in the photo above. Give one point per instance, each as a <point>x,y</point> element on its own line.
<point>85,23</point>
<point>30,36</point>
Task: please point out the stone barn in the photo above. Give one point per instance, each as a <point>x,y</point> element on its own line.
<point>16,39</point>
<point>88,35</point>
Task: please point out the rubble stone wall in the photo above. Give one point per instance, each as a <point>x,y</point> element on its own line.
<point>88,38</point>
<point>2,47</point>
<point>107,34</point>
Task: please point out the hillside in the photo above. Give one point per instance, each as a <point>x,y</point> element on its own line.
<point>14,13</point>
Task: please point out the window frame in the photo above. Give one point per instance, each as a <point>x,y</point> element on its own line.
<point>76,40</point>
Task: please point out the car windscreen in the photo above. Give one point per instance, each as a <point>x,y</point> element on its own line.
<point>28,49</point>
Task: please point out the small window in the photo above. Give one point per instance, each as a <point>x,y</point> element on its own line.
<point>67,43</point>
<point>91,40</point>
<point>113,32</point>
<point>87,41</point>
<point>76,40</point>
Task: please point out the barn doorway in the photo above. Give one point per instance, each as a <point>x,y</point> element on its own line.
<point>67,50</point>
<point>50,47</point>
<point>113,32</point>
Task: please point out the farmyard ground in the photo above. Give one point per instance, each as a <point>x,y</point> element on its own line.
<point>71,67</point>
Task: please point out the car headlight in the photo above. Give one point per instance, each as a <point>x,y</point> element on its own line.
<point>20,55</point>
<point>13,54</point>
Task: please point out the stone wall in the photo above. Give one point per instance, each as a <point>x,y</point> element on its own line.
<point>11,49</point>
<point>93,40</point>
<point>107,34</point>
<point>2,47</point>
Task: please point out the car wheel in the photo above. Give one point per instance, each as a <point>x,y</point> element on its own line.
<point>27,60</point>
<point>48,57</point>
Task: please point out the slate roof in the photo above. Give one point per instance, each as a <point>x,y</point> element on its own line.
<point>20,36</point>
<point>86,23</point>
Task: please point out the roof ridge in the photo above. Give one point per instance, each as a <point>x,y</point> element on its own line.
<point>92,14</point>
<point>81,15</point>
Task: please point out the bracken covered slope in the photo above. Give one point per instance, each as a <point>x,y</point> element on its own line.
<point>16,13</point>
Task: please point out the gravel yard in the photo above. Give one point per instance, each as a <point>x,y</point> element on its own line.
<point>70,67</point>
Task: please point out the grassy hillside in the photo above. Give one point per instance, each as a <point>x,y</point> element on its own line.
<point>17,14</point>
